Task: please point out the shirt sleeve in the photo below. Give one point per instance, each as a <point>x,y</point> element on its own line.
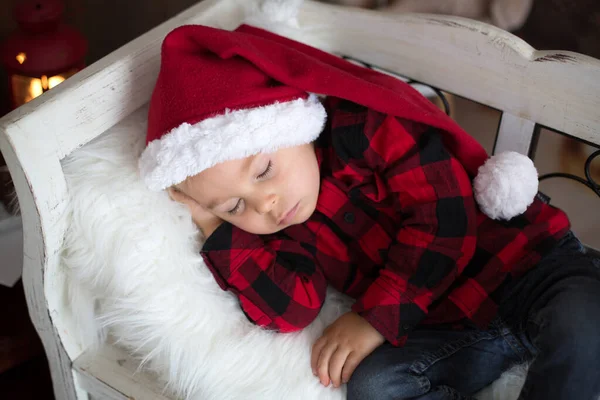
<point>433,199</point>
<point>276,279</point>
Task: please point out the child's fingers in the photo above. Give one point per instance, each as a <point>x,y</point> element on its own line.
<point>315,353</point>
<point>349,366</point>
<point>323,363</point>
<point>338,359</point>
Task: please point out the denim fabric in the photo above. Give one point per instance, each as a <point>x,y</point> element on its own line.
<point>549,317</point>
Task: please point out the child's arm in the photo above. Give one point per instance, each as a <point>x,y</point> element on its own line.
<point>276,279</point>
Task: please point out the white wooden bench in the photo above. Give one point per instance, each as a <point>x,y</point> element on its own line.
<point>557,90</point>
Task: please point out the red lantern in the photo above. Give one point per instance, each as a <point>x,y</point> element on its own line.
<point>43,52</point>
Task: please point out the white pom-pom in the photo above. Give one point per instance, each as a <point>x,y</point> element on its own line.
<point>505,185</point>
<point>270,14</point>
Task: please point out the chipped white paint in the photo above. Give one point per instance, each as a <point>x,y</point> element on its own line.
<point>560,90</point>
<point>110,374</point>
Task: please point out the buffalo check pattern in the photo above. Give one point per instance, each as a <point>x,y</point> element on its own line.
<point>396,228</point>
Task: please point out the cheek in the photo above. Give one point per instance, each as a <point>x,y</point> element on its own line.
<point>303,178</point>
<point>254,223</point>
<point>304,184</point>
<point>311,179</point>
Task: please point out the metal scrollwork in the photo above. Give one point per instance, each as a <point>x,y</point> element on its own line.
<point>588,181</point>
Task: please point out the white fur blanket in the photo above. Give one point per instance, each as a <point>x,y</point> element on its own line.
<point>134,270</point>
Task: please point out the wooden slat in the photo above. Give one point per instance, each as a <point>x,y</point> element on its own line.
<point>42,234</point>
<point>514,134</point>
<point>111,374</point>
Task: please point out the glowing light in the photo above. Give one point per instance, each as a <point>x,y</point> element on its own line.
<point>27,88</point>
<point>55,80</point>
<point>35,89</point>
<point>21,57</point>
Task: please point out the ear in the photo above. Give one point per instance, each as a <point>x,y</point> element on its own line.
<point>180,197</point>
<point>510,15</point>
<point>179,187</point>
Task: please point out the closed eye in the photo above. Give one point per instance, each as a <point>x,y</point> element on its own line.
<point>267,171</point>
<point>237,207</point>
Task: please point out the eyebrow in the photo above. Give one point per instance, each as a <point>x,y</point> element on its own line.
<point>246,167</point>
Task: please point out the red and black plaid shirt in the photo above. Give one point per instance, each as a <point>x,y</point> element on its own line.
<point>396,227</point>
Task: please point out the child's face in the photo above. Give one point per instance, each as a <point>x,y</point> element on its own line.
<point>260,194</point>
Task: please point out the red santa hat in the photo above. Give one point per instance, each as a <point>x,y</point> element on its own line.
<point>206,110</point>
<point>224,95</point>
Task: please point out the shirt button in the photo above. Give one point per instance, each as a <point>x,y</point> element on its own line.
<point>406,327</point>
<point>349,217</point>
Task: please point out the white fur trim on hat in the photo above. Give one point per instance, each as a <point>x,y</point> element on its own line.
<point>505,185</point>
<point>189,149</point>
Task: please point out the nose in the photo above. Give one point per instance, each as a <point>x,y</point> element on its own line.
<point>267,204</point>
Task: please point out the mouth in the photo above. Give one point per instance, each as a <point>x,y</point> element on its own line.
<point>289,216</point>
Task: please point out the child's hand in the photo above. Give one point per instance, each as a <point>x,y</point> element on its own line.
<point>206,221</point>
<point>344,344</point>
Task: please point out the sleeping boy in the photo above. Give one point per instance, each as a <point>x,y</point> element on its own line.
<point>303,170</point>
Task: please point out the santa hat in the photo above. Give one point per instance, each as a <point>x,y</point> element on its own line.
<point>224,95</point>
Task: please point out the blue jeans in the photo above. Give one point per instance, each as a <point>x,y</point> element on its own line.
<point>549,317</point>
